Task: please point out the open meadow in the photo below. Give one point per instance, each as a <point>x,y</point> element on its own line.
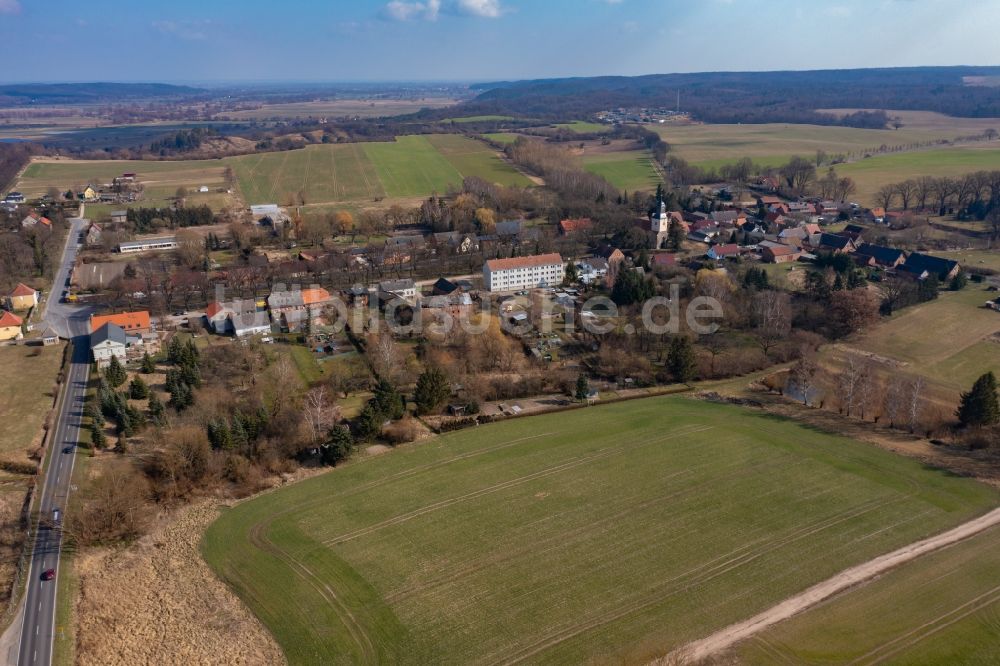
<point>631,171</point>
<point>950,340</point>
<point>411,166</point>
<point>27,394</point>
<point>714,145</point>
<point>943,608</point>
<point>872,173</point>
<point>360,108</point>
<point>614,533</point>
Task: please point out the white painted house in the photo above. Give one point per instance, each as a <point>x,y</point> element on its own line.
<point>540,270</point>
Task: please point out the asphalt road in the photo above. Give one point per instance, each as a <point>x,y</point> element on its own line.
<point>69,321</point>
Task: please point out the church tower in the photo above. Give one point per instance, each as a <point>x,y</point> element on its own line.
<point>659,221</point>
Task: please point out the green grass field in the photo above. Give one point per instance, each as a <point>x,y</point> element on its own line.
<point>474,158</point>
<point>411,166</point>
<point>582,127</point>
<point>338,172</point>
<point>477,119</point>
<point>711,145</point>
<point>613,534</point>
<point>630,171</point>
<point>26,397</point>
<point>501,137</point>
<point>943,608</point>
<point>872,173</point>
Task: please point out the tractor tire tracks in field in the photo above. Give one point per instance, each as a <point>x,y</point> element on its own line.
<point>724,639</point>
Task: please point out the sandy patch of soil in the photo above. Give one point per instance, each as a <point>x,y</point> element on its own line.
<point>157,602</point>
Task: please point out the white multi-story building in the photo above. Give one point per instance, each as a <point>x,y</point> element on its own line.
<point>540,270</point>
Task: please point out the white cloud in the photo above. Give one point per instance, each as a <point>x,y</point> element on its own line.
<point>399,10</point>
<point>482,8</point>
<point>188,31</point>
<point>10,7</point>
<point>429,10</point>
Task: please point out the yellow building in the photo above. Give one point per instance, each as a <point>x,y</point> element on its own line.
<point>22,298</point>
<point>89,193</point>
<point>10,326</point>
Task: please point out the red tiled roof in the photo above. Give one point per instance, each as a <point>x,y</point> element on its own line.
<point>9,319</point>
<point>579,224</point>
<point>22,290</point>
<point>314,296</point>
<point>214,308</point>
<point>524,262</point>
<point>129,321</point>
<point>782,251</point>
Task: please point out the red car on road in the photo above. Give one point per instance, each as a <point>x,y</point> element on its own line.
<point>48,574</point>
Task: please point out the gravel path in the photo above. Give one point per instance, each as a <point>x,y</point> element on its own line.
<point>726,638</point>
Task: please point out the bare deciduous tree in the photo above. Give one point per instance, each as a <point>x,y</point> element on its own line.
<point>771,312</point>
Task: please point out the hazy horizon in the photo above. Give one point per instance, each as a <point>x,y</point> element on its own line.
<point>459,41</point>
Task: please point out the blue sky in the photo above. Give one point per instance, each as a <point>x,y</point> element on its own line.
<point>463,40</point>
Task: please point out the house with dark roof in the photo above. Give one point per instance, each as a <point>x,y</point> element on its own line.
<point>918,264</point>
<point>508,228</point>
<point>833,243</point>
<point>853,231</point>
<point>884,257</point>
<point>108,341</point>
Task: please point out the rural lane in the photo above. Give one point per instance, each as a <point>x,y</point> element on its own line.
<point>38,612</point>
<point>726,638</point>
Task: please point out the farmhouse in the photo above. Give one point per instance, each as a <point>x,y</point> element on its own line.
<point>22,297</point>
<point>133,323</point>
<point>592,269</point>
<point>156,244</point>
<point>833,243</point>
<point>727,251</point>
<point>405,288</point>
<point>542,270</point>
<point>34,219</point>
<point>239,317</point>
<point>292,307</point>
<point>108,341</point>
<point>89,193</point>
<point>917,264</point>
<point>884,257</point>
<point>119,216</point>
<point>10,326</point>
<point>93,234</point>
<point>776,253</point>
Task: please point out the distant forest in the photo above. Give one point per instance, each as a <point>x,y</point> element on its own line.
<point>752,97</point>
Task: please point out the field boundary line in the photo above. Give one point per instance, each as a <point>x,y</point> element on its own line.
<point>729,636</point>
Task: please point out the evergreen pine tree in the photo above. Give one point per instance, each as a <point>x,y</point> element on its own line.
<point>148,365</point>
<point>681,360</point>
<point>137,389</point>
<point>339,445</point>
<point>156,410</point>
<point>97,438</point>
<point>431,391</point>
<point>582,387</point>
<point>115,373</point>
<point>979,406</point>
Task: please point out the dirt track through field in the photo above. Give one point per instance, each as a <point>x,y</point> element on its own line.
<point>726,638</point>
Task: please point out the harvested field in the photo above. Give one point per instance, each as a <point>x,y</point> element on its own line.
<point>24,403</point>
<point>364,108</point>
<point>614,535</point>
<point>157,602</point>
